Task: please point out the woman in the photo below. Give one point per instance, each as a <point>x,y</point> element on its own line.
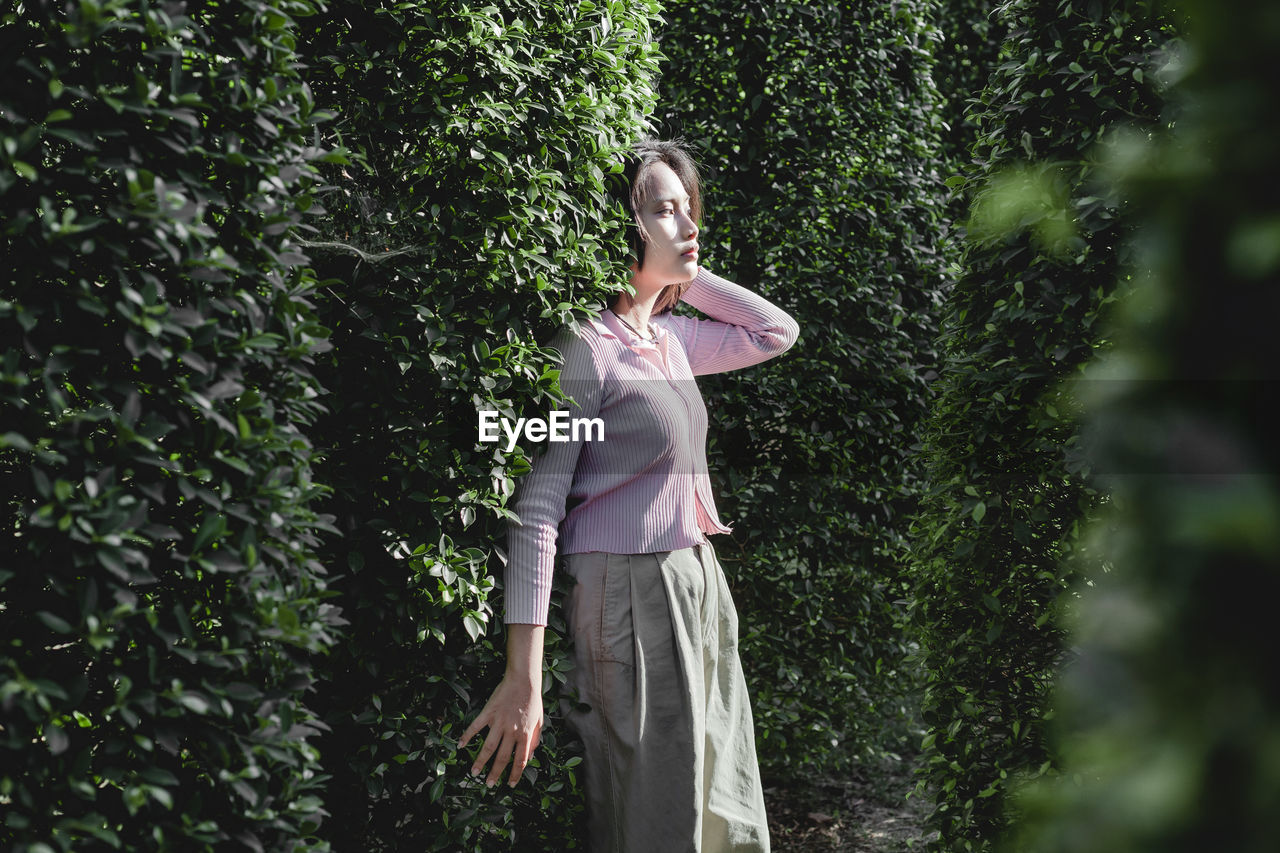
<point>670,761</point>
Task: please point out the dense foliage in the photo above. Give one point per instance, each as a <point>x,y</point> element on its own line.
<point>972,35</point>
<point>816,124</point>
<point>1170,714</point>
<point>971,39</point>
<point>160,600</point>
<point>472,220</point>
<point>1044,255</point>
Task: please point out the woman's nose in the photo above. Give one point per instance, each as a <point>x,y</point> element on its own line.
<point>691,227</point>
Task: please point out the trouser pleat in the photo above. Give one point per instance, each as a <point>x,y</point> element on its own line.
<point>665,720</point>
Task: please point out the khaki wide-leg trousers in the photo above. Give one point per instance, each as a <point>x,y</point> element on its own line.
<point>670,762</point>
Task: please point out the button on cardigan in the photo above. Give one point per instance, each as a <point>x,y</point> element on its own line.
<point>644,486</point>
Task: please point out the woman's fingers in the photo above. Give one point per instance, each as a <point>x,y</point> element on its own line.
<point>476,725</point>
<point>487,749</point>
<point>511,746</point>
<point>524,749</point>
<point>506,748</point>
<point>514,721</point>
<point>501,745</point>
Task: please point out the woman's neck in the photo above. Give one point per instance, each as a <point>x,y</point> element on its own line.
<point>636,310</point>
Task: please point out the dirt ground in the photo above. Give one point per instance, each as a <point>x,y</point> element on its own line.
<point>851,815</point>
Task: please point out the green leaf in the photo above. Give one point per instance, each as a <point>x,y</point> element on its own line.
<point>194,702</point>
<point>54,623</point>
<point>14,440</point>
<point>212,526</point>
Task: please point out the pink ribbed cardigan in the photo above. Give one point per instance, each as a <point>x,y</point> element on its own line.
<point>644,487</point>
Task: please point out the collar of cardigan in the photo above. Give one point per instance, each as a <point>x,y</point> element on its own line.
<point>609,326</point>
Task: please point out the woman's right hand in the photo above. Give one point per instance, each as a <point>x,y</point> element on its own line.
<point>513,713</point>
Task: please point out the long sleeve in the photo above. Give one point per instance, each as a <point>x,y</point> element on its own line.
<point>541,495</point>
<point>744,329</point>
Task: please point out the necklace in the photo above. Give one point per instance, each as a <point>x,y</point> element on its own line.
<point>652,339</point>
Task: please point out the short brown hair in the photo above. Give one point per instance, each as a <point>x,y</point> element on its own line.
<point>644,155</point>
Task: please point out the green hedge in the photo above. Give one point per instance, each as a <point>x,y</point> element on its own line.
<point>972,38</point>
<point>160,600</point>
<point>1170,715</point>
<point>1044,256</point>
<point>817,127</point>
<point>471,221</point>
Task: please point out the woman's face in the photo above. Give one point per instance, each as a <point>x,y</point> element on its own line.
<point>671,252</point>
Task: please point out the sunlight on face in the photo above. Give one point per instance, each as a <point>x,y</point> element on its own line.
<point>671,247</point>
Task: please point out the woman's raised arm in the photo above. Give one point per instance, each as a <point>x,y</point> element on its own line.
<point>744,329</point>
